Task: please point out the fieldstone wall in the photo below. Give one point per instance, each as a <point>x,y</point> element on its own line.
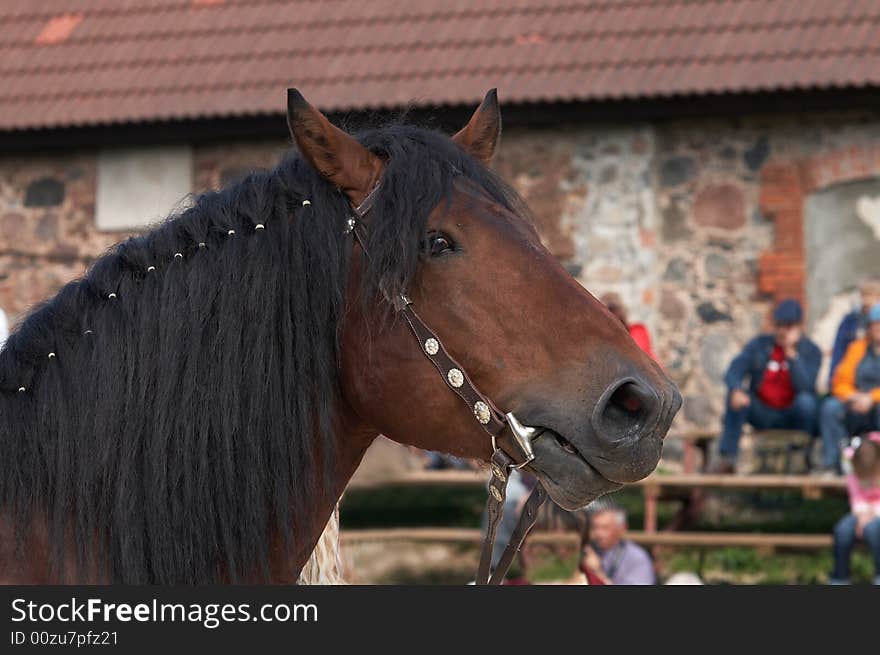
<point>590,193</point>
<point>47,226</point>
<point>221,164</point>
<point>698,225</point>
<point>48,234</point>
<point>711,235</point>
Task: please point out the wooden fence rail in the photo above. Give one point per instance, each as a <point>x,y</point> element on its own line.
<point>654,487</point>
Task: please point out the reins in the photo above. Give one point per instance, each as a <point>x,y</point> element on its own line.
<point>511,441</point>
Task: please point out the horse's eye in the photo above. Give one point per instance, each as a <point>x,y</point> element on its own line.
<point>437,244</point>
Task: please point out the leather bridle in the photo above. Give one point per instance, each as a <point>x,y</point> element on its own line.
<point>511,441</point>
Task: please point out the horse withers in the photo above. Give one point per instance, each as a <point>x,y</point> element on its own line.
<point>191,410</point>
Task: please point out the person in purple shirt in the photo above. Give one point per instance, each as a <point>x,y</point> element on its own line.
<point>610,556</point>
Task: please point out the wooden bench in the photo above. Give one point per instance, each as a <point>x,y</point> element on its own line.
<point>654,485</point>
<point>776,450</point>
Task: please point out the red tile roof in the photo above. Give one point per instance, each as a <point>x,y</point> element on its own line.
<point>109,61</point>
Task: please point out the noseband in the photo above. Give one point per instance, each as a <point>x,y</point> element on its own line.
<point>511,440</point>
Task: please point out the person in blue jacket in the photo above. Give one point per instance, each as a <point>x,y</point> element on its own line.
<point>771,384</point>
<point>852,326</point>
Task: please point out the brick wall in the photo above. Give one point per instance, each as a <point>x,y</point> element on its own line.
<point>785,185</point>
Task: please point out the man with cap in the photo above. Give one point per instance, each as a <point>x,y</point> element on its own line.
<point>771,384</point>
<point>854,404</point>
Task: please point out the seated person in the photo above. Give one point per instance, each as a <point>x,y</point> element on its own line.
<point>852,326</point>
<point>637,331</point>
<point>854,404</point>
<point>780,369</point>
<point>609,557</point>
<point>863,521</point>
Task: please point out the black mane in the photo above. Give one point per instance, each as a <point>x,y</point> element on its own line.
<point>177,424</point>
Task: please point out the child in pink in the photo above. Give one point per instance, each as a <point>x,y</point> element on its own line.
<point>863,521</point>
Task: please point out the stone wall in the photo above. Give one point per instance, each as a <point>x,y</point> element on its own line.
<point>48,234</point>
<point>590,193</point>
<point>698,225</point>
<point>711,236</point>
<point>47,226</point>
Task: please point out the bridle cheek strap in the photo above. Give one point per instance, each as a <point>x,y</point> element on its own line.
<point>453,373</point>
<point>501,465</point>
<point>511,441</point>
<point>525,523</point>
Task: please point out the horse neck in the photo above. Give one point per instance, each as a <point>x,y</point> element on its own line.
<point>313,542</point>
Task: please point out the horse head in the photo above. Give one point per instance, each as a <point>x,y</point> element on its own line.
<point>529,335</point>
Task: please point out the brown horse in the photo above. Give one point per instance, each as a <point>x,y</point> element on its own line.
<point>193,408</point>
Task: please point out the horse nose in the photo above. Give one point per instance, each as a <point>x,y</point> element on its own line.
<point>629,408</point>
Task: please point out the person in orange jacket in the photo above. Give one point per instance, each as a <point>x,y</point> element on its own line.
<point>854,404</point>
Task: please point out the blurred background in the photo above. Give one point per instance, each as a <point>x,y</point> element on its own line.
<point>699,160</point>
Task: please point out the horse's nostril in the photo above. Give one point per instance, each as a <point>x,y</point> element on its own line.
<point>628,409</point>
<point>626,398</point>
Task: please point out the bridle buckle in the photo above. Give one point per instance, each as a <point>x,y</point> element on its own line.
<point>523,435</point>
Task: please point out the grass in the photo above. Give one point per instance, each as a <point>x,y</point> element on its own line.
<point>750,566</point>
<point>553,566</point>
<point>407,506</point>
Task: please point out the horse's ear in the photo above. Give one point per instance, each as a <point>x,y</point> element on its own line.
<point>481,135</point>
<point>337,156</point>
